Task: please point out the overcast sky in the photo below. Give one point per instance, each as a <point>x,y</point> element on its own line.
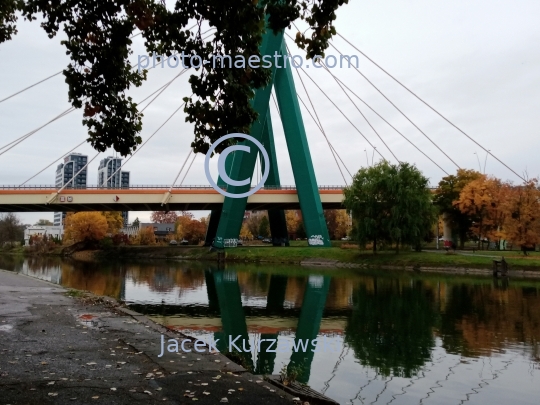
<point>478,63</point>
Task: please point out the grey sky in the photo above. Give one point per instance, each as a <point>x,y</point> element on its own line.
<point>477,62</point>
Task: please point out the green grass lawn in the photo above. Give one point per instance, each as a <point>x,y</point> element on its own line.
<point>297,254</point>
<point>405,258</point>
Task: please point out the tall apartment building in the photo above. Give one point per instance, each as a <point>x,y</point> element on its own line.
<point>110,175</point>
<point>64,173</point>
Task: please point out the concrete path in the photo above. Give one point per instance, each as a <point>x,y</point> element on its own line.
<point>55,349</point>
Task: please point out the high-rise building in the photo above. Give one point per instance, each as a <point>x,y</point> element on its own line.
<point>110,176</point>
<point>72,166</point>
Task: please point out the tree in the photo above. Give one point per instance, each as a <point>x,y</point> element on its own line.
<point>482,201</point>
<point>182,221</point>
<point>85,227</point>
<point>44,222</point>
<point>391,203</point>
<point>164,217</point>
<point>146,236</point>
<point>264,227</point>
<point>522,224</point>
<point>137,222</point>
<point>292,219</point>
<point>194,231</point>
<point>447,193</point>
<point>114,221</point>
<point>245,234</point>
<point>99,45</point>
<point>337,222</point>
<point>254,221</point>
<point>11,229</point>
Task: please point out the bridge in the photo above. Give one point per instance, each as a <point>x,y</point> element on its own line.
<point>291,108</point>
<point>151,198</point>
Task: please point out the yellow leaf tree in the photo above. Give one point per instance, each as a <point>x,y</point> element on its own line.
<point>522,224</point>
<point>146,236</point>
<point>343,224</point>
<point>292,218</point>
<point>245,233</point>
<point>85,226</point>
<point>114,221</point>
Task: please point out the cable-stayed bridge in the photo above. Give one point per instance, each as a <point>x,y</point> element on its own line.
<point>151,198</point>
<point>290,106</point>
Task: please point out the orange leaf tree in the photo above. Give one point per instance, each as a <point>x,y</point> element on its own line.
<point>164,217</point>
<point>194,231</point>
<point>483,201</point>
<point>522,224</point>
<point>447,193</point>
<point>85,226</point>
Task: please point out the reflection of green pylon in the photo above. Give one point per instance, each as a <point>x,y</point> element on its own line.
<point>274,303</point>
<point>228,225</point>
<point>233,319</point>
<point>309,324</point>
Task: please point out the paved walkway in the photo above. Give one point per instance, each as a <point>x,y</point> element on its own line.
<point>56,349</point>
<point>462,253</point>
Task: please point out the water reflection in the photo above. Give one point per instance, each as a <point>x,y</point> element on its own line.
<point>391,326</point>
<point>401,338</point>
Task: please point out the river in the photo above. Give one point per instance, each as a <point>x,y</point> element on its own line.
<point>382,337</point>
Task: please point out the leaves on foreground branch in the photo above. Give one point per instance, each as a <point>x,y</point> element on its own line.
<point>99,46</point>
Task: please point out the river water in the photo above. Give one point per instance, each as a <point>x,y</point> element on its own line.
<point>382,337</point>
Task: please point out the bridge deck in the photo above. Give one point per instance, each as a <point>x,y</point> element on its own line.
<point>149,199</point>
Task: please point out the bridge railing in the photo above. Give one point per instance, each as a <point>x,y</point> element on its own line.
<point>149,187</point>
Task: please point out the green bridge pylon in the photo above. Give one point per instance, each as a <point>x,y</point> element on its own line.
<point>226,224</point>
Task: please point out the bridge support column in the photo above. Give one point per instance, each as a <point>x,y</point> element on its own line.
<point>278,223</point>
<point>302,165</point>
<point>243,165</point>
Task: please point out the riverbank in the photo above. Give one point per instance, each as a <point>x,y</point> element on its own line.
<point>331,256</point>
<point>60,347</point>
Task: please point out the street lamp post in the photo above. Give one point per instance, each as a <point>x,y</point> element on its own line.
<point>477,158</point>
<point>485,161</point>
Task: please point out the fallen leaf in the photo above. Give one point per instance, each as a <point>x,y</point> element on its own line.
<point>224,399</point>
<point>148,392</point>
<point>96,397</point>
<point>113,389</point>
<point>53,394</point>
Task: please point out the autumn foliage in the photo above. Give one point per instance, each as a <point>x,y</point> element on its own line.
<point>522,225</point>
<point>492,209</point>
<point>85,226</point>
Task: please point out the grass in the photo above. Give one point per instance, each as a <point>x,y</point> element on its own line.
<point>299,251</point>
<point>74,293</point>
<point>384,258</point>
